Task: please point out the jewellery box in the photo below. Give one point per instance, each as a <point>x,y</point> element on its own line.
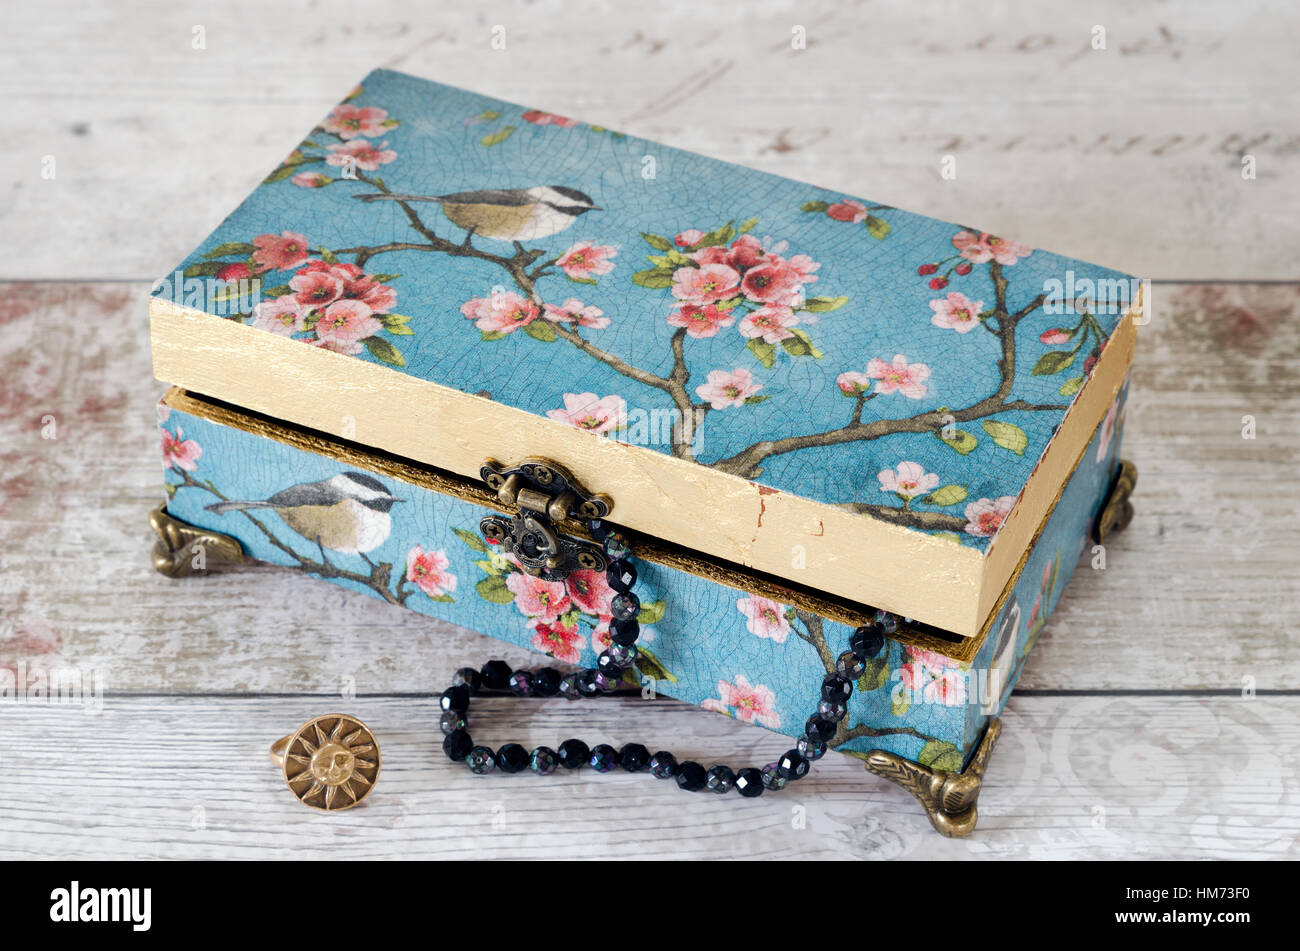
<point>446,331</point>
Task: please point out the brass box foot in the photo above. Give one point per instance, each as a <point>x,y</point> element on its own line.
<point>183,550</point>
<point>947,798</point>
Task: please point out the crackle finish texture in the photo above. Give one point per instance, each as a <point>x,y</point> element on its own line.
<point>734,653</point>
<point>744,321</point>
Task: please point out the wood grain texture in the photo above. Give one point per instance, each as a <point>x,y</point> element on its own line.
<point>1124,778</point>
<point>1128,156</point>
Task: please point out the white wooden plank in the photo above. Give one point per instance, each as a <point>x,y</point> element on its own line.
<point>1196,594</point>
<point>1090,777</point>
<point>1128,156</point>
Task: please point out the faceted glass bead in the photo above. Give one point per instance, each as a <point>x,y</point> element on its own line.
<point>663,765</point>
<point>543,761</point>
<point>623,654</point>
<point>837,688</point>
<point>810,748</point>
<point>496,675</point>
<point>888,622</point>
<point>457,744</point>
<point>832,710</point>
<point>749,782</point>
<point>512,758</point>
<point>587,685</point>
<point>469,677</point>
<point>481,760</point>
<point>624,631</point>
<point>521,683</point>
<point>455,698</point>
<point>451,720</point>
<point>691,776</point>
<point>624,606</point>
<point>616,546</point>
<point>720,779</point>
<point>850,666</point>
<point>569,687</point>
<point>819,729</point>
<point>793,765</point>
<point>546,682</point>
<point>608,683</point>
<point>621,576</point>
<point>633,757</point>
<point>606,664</point>
<point>599,530</point>
<point>603,758</point>
<point>772,778</point>
<point>868,641</point>
<point>574,753</point>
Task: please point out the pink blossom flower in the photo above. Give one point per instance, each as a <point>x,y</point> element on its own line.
<point>561,641</point>
<point>901,376</point>
<point>574,311</point>
<point>908,481</point>
<point>315,288</point>
<point>848,210</point>
<point>956,312</point>
<point>535,597</point>
<point>591,412</point>
<point>773,282</point>
<point>1107,433</point>
<point>361,154</point>
<point>537,117</point>
<point>985,516</point>
<point>348,122</point>
<point>752,703</point>
<point>705,285</point>
<point>852,383</point>
<point>1047,575</point>
<point>978,248</point>
<point>280,253</point>
<point>931,674</point>
<point>766,618</point>
<point>179,451</point>
<point>311,180</point>
<point>345,324</point>
<point>590,591</point>
<point>688,237</point>
<point>700,321</point>
<point>503,312</point>
<point>234,272</point>
<point>728,389</point>
<point>801,268</point>
<point>427,570</point>
<point>772,323</point>
<point>746,252</point>
<point>1033,612</point>
<point>1054,336</point>
<point>586,259</point>
<point>280,315</point>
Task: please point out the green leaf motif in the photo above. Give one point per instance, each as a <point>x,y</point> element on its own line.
<point>938,754</point>
<point>800,345</point>
<point>747,225</point>
<point>278,291</point>
<point>657,241</point>
<point>328,256</point>
<point>823,305</point>
<point>446,598</point>
<point>472,539</point>
<point>650,666</point>
<point>814,206</point>
<point>1071,386</point>
<point>651,613</point>
<point>655,277</point>
<point>757,398</point>
<point>581,280</point>
<point>875,676</point>
<point>493,590</point>
<point>384,351</point>
<point>284,171</point>
<point>497,137</point>
<point>765,352</point>
<point>241,248</point>
<point>960,440</point>
<point>1054,361</point>
<point>878,228</point>
<point>899,705</point>
<point>946,495</point>
<point>396,324</point>
<point>1007,435</point>
<point>203,269</point>
<point>541,330</point>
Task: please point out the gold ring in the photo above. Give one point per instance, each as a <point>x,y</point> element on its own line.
<point>330,762</point>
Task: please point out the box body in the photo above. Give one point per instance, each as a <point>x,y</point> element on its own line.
<point>704,642</point>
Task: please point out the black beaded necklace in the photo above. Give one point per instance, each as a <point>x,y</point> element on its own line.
<point>605,677</point>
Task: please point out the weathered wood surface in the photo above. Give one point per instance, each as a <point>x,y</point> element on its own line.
<point>1128,156</point>
<point>1075,777</point>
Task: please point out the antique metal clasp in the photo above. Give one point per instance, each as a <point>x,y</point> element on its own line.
<point>545,493</point>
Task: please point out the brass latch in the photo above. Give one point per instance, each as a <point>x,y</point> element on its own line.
<point>1117,510</point>
<point>544,493</point>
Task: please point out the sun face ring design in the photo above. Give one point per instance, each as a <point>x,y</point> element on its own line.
<point>331,762</point>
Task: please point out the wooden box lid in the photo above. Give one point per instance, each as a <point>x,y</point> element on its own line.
<point>869,402</point>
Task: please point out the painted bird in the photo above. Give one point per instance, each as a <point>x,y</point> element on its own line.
<point>508,214</point>
<point>346,513</point>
